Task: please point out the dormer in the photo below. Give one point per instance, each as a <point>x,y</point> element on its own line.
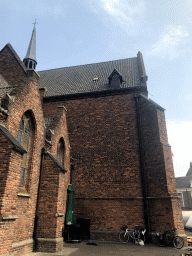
<point>115,79</point>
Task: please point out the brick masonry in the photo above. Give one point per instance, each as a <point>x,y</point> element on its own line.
<point>18,204</point>
<point>121,164</point>
<point>165,210</point>
<point>106,159</point>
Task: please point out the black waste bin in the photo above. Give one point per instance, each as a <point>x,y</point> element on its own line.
<point>84,228</point>
<point>73,233</point>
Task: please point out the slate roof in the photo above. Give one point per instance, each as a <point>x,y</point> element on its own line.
<point>31,52</point>
<point>183,182</point>
<point>81,79</point>
<point>190,170</point>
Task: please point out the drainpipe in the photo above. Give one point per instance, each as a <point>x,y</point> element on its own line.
<point>143,171</point>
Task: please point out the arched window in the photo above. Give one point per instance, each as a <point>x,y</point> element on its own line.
<point>30,64</point>
<point>25,137</point>
<point>60,151</point>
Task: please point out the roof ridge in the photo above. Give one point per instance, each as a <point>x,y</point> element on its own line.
<point>87,64</point>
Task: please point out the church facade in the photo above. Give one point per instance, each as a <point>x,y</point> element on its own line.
<point>118,159</point>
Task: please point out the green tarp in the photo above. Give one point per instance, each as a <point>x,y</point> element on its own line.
<point>70,216</point>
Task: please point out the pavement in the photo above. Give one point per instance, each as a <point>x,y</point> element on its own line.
<point>115,248</point>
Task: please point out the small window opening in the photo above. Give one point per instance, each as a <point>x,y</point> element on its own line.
<point>60,152</point>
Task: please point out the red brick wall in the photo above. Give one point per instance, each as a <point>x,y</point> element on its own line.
<point>110,214</point>
<point>26,98</point>
<point>104,145</point>
<point>5,153</point>
<point>10,68</point>
<point>60,131</point>
<point>47,204</point>
<point>21,201</point>
<point>51,205</point>
<point>10,163</point>
<point>105,149</point>
<point>165,211</point>
<point>152,150</point>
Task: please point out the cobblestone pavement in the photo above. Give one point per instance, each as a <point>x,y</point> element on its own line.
<point>116,249</point>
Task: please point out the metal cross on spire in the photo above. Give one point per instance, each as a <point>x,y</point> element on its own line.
<point>35,23</point>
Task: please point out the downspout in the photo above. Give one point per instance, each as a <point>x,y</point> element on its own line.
<point>38,195</point>
<point>143,171</point>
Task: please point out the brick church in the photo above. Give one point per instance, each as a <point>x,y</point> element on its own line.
<point>90,125</point>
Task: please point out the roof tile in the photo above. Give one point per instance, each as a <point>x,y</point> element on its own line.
<point>80,79</point>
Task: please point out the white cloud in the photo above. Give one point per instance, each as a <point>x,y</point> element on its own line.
<point>188,97</point>
<point>40,7</point>
<point>123,12</point>
<point>179,135</point>
<point>171,42</point>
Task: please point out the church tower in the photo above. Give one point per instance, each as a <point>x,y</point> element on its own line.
<point>30,58</point>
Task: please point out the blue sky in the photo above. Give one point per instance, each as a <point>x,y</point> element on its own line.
<point>74,32</point>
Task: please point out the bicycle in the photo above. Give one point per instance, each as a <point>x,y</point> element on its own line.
<point>170,237</point>
<point>135,235</point>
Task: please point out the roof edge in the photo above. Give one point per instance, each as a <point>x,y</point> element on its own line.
<point>150,101</point>
<point>54,160</point>
<point>129,90</point>
<point>16,145</point>
<point>15,55</point>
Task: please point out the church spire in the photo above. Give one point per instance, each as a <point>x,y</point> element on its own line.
<point>30,58</point>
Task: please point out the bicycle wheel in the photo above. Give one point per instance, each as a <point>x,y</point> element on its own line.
<point>178,242</point>
<point>137,237</point>
<point>124,237</point>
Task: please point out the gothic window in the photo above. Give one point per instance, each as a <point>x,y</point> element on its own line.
<point>60,152</point>
<point>24,137</point>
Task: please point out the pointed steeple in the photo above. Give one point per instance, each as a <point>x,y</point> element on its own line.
<point>30,58</point>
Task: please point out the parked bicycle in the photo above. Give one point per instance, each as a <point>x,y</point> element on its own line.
<point>135,235</point>
<point>170,238</point>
